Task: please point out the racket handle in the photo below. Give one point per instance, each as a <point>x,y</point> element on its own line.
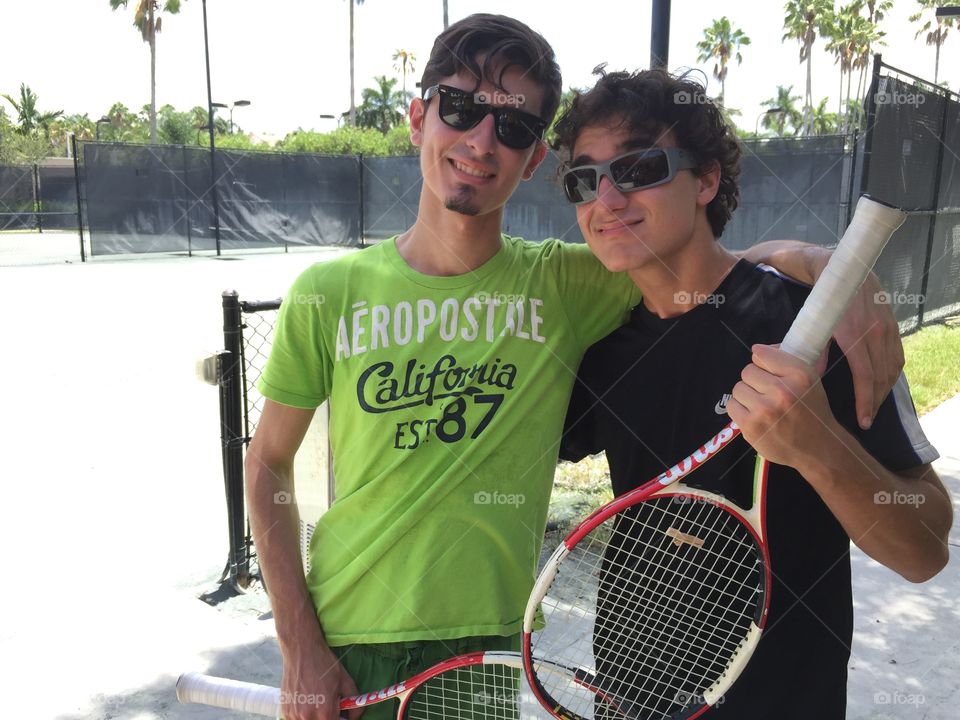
<point>229,694</point>
<point>872,226</point>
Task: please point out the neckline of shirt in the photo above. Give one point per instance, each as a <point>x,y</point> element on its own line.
<point>729,289</point>
<point>442,282</point>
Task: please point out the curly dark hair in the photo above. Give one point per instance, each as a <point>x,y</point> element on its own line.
<point>649,103</point>
<point>504,42</point>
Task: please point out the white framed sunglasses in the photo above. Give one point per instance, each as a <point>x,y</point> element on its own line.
<point>634,170</point>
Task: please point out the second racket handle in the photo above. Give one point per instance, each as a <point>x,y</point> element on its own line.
<point>872,226</point>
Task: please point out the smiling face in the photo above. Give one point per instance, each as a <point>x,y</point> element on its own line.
<point>629,231</point>
<point>470,171</point>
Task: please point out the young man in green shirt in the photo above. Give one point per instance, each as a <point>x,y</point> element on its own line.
<point>448,354</point>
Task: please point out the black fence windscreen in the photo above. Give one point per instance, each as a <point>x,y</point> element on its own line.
<point>17,203</point>
<point>911,161</point>
<point>796,188</point>
<point>157,199</point>
<point>38,198</point>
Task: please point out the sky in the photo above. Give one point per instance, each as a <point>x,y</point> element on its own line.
<point>290,58</point>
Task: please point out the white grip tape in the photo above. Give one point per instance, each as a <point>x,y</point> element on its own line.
<point>229,694</point>
<point>872,226</point>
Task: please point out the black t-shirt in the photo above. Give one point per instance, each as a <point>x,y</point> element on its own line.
<point>654,390</point>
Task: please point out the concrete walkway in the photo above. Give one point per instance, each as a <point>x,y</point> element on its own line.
<point>112,512</point>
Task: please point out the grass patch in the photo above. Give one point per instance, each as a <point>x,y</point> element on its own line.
<point>578,489</point>
<point>933,364</point>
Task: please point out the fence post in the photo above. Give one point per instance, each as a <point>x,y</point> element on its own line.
<point>931,234</point>
<point>360,194</point>
<point>76,178</point>
<point>232,439</point>
<point>869,122</point>
<point>36,197</point>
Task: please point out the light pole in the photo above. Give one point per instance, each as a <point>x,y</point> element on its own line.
<point>235,103</point>
<point>102,120</point>
<point>213,144</point>
<point>769,111</point>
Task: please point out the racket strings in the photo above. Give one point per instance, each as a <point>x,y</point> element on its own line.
<point>480,692</point>
<point>668,639</point>
<point>663,622</point>
<point>660,599</point>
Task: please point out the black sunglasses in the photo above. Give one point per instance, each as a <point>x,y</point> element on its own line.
<point>635,170</point>
<point>463,110</point>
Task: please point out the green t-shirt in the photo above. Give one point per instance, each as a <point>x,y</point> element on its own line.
<point>447,401</point>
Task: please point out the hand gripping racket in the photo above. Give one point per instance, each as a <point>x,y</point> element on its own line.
<point>661,595</point>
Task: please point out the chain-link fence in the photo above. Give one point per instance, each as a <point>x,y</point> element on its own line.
<point>248,328</point>
<point>38,197</point>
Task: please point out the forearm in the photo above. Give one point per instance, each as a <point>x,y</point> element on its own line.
<point>799,260</point>
<point>275,526</point>
<point>901,520</point>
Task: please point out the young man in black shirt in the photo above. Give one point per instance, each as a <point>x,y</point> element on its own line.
<point>653,169</point>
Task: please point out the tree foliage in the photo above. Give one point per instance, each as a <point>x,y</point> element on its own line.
<point>721,42</point>
<point>382,106</point>
<point>147,20</point>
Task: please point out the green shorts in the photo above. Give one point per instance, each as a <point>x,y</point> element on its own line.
<point>377,666</point>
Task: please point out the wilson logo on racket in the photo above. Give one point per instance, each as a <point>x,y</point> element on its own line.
<point>700,455</point>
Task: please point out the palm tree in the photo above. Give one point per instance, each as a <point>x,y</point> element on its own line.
<point>935,28</point>
<point>146,21</point>
<point>382,107</point>
<point>839,42</point>
<point>824,123</point>
<point>402,61</point>
<point>865,36</point>
<point>804,19</point>
<point>777,121</point>
<point>353,107</point>
<point>720,41</point>
<point>29,118</point>
<point>851,37</point>
<point>125,125</point>
<point>876,11</point>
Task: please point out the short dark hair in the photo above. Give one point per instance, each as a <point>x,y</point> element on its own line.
<point>505,43</point>
<point>651,102</point>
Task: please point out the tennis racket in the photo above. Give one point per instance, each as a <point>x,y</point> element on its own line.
<point>661,595</point>
<point>473,686</point>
